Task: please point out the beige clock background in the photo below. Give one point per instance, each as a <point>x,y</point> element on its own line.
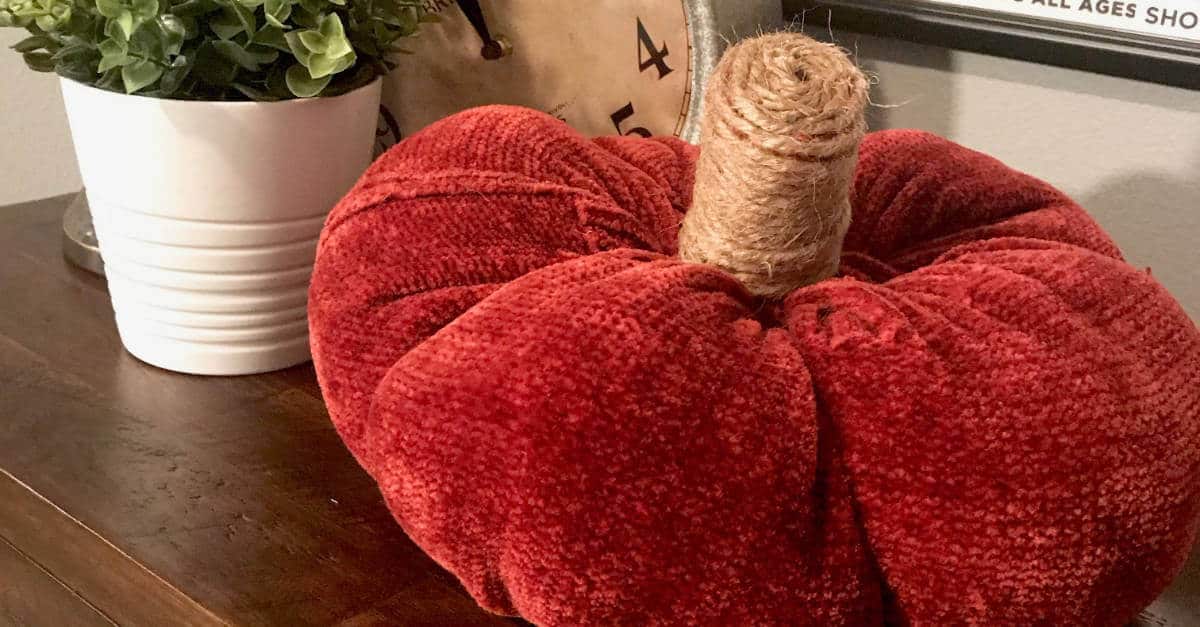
<point>583,62</point>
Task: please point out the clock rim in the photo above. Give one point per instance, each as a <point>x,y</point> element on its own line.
<point>707,28</point>
<point>705,47</point>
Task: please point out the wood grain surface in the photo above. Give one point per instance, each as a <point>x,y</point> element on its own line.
<point>136,496</point>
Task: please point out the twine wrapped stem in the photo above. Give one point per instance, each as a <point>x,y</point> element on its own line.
<point>783,118</point>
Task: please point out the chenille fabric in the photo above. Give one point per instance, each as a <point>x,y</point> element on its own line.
<point>988,417</point>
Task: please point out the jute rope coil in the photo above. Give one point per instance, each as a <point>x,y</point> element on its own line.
<point>783,118</point>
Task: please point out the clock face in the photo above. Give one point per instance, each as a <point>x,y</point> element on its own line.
<point>602,66</point>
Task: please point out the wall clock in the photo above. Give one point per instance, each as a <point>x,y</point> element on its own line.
<point>635,67</point>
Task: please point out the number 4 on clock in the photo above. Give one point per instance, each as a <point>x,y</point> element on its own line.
<point>656,56</point>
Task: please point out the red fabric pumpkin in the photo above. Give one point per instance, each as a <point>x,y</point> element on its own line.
<point>990,418</point>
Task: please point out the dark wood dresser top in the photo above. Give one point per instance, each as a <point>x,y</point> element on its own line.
<point>136,496</point>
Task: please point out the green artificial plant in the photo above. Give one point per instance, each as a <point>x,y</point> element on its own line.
<point>214,49</point>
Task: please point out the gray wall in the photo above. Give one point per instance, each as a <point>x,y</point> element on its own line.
<point>1129,151</point>
<point>35,145</point>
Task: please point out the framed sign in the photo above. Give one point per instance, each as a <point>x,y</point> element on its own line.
<point>1152,40</point>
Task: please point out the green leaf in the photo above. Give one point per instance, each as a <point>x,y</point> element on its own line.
<point>247,59</point>
<point>302,84</point>
<point>266,55</point>
<point>171,34</point>
<point>139,74</point>
<point>364,45</point>
<point>302,54</point>
<point>110,80</point>
<point>113,54</point>
<point>212,68</point>
<point>107,63</point>
<point>192,8</point>
<point>338,46</point>
<point>277,12</point>
<point>411,24</point>
<point>110,30</point>
<point>79,27</point>
<point>125,22</point>
<point>72,53</point>
<point>39,61</point>
<point>277,82</point>
<point>111,47</point>
<point>246,17</point>
<point>173,77</point>
<point>312,41</point>
<point>331,28</point>
<point>109,8</point>
<point>345,62</point>
<point>323,52</point>
<point>29,44</point>
<point>191,29</point>
<point>273,37</point>
<point>24,9</point>
<point>322,65</point>
<point>226,26</point>
<point>365,73</point>
<point>145,9</point>
<point>254,93</point>
<point>147,42</point>
<point>313,7</point>
<point>76,70</point>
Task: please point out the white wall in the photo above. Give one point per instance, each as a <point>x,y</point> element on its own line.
<point>1128,151</point>
<point>35,146</point>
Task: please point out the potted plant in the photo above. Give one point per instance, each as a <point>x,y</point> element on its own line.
<point>213,136</point>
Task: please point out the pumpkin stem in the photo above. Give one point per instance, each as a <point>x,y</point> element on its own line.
<point>783,118</point>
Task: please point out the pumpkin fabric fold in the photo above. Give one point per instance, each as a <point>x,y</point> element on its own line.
<point>989,418</point>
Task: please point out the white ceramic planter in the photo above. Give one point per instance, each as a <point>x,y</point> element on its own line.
<point>208,215</point>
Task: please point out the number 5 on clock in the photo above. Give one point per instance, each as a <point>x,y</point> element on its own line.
<point>622,114</point>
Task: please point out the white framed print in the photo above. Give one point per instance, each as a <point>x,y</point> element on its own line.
<point>1151,40</point>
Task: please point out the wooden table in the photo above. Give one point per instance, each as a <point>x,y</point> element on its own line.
<point>136,496</point>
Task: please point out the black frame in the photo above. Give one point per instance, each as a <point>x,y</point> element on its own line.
<point>1116,53</point>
